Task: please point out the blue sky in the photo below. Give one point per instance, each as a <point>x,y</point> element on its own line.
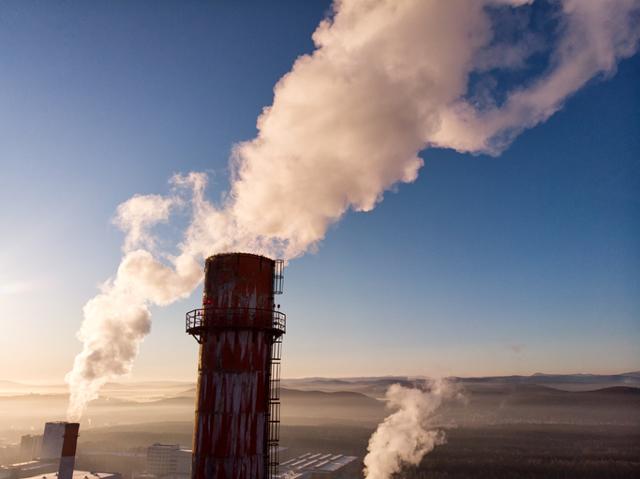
<point>525,262</point>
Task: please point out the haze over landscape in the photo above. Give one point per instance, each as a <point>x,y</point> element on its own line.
<point>541,425</point>
<point>454,186</point>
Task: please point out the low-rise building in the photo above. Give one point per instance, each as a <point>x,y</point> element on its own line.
<point>30,446</point>
<point>20,470</point>
<point>169,461</point>
<point>320,466</point>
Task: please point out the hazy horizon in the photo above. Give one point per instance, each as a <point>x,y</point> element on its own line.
<point>133,380</point>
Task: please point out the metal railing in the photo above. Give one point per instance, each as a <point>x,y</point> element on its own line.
<point>199,321</point>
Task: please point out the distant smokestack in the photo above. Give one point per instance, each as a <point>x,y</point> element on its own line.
<point>59,443</point>
<point>408,434</point>
<point>239,331</point>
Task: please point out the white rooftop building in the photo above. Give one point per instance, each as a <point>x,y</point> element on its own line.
<point>312,466</point>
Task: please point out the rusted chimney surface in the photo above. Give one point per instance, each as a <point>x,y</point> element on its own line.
<point>239,331</point>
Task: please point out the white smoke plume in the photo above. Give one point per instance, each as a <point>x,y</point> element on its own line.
<point>387,80</point>
<point>408,434</point>
<point>118,318</point>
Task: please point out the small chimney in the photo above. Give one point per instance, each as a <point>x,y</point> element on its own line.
<point>59,444</point>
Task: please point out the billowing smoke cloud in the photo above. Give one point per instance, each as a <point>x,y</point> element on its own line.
<point>387,80</point>
<point>118,318</point>
<point>594,36</point>
<point>408,434</point>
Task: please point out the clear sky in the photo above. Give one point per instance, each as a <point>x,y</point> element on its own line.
<point>525,262</point>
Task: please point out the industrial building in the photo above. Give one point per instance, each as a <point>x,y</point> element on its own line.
<point>27,469</point>
<point>320,466</point>
<point>30,446</point>
<point>239,330</point>
<point>169,461</point>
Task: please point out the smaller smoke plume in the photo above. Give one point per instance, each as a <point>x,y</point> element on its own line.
<point>408,434</point>
<point>118,318</point>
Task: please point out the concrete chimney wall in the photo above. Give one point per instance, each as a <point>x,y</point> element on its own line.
<point>59,443</point>
<point>235,329</point>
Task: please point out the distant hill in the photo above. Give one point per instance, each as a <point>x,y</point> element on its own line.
<point>569,382</point>
<point>148,385</point>
<point>489,401</point>
<point>338,398</point>
<point>9,384</point>
<point>15,385</point>
<point>619,390</point>
<point>53,399</point>
<point>310,400</point>
<point>373,386</point>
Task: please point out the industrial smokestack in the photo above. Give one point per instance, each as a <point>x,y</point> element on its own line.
<point>239,331</point>
<point>59,443</point>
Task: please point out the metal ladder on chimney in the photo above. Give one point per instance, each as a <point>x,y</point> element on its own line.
<point>273,429</point>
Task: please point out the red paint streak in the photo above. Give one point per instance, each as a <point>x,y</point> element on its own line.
<point>70,439</point>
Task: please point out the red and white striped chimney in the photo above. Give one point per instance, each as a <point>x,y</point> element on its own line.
<point>59,444</point>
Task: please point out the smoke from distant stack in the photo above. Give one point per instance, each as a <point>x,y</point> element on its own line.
<point>386,80</point>
<point>408,434</point>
